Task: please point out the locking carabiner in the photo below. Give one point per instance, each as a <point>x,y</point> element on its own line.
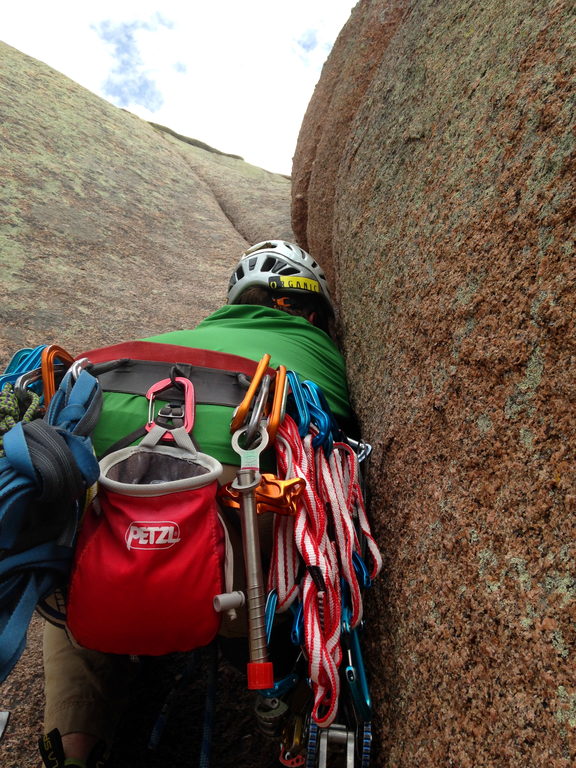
<point>168,412</point>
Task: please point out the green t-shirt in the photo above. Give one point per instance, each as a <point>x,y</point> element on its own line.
<point>249,331</point>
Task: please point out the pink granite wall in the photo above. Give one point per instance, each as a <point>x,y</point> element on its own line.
<point>435,174</point>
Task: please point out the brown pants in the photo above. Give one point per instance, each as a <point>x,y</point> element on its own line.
<point>85,690</point>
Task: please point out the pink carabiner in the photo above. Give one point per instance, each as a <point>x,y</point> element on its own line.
<point>189,404</point>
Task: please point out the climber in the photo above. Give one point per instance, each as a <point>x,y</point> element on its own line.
<point>278,302</point>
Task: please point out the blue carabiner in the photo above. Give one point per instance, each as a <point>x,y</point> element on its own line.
<point>319,415</point>
<point>337,433</point>
<point>361,570</point>
<point>269,612</point>
<point>302,414</point>
<point>322,423</point>
<point>355,671</point>
<point>356,677</point>
<point>281,687</point>
<point>346,613</point>
<point>297,634</point>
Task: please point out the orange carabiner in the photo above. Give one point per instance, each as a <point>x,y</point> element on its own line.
<point>241,412</point>
<point>278,404</point>
<point>49,356</point>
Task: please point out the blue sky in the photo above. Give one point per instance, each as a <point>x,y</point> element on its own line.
<point>236,75</point>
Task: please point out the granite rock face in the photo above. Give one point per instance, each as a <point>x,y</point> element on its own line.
<point>113,228</point>
<point>435,175</point>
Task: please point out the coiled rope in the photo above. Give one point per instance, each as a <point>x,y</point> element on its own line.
<point>15,407</point>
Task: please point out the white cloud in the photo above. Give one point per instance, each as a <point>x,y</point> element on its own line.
<point>129,82</point>
<point>237,75</point>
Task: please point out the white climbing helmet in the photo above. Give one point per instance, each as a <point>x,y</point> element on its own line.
<point>280,266</point>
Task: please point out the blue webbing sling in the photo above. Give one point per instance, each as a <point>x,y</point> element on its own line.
<point>48,467</point>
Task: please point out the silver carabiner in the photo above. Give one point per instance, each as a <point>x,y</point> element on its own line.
<point>77,366</point>
<point>361,448</point>
<point>29,377</point>
<point>258,411</point>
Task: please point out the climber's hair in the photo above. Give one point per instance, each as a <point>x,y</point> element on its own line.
<point>299,304</point>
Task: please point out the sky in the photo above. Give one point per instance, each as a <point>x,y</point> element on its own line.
<point>235,75</point>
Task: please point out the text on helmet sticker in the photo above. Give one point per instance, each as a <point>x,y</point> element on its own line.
<point>280,282</point>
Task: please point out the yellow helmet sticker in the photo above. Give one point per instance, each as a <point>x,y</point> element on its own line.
<point>293,283</point>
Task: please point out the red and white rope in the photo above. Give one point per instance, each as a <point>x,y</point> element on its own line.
<point>341,493</point>
<point>332,494</point>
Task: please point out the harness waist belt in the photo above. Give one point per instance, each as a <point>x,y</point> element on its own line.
<point>135,377</point>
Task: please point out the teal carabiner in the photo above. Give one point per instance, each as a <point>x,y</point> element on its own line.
<point>320,416</point>
<point>356,677</point>
<point>300,411</point>
<point>361,570</point>
<point>269,611</point>
<point>297,634</point>
<point>355,671</point>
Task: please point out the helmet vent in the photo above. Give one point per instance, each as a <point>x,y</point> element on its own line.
<point>269,264</point>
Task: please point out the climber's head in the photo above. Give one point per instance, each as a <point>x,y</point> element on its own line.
<point>279,274</point>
